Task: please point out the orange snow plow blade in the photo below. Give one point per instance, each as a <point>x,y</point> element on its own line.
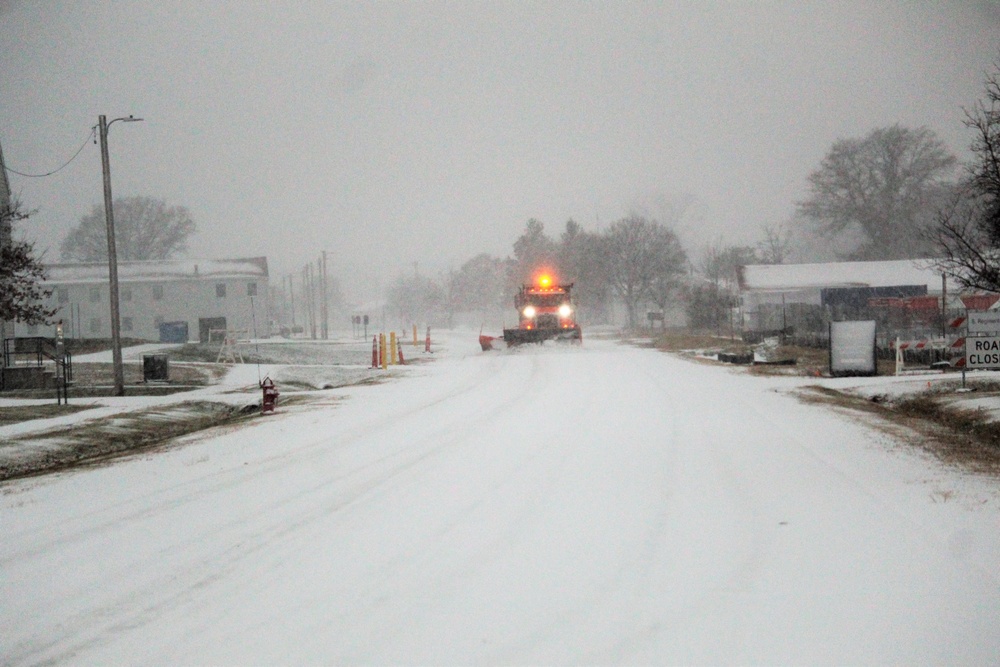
<point>491,343</point>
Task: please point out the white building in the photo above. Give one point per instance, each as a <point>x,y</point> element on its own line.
<point>774,296</point>
<point>163,300</point>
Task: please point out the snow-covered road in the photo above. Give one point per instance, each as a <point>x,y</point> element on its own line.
<point>595,505</point>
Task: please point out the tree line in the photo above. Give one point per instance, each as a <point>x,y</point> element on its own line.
<point>637,261</point>
<point>895,193</point>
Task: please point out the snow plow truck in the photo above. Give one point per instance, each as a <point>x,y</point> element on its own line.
<point>545,312</point>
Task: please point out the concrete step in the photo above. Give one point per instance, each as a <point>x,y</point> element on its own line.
<point>28,377</point>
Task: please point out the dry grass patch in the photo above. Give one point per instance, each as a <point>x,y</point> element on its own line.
<point>23,413</point>
<point>98,379</point>
<point>677,341</point>
<point>98,441</point>
<point>956,436</point>
<point>99,374</point>
<point>974,424</point>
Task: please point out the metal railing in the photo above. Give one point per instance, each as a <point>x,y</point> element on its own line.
<point>37,351</point>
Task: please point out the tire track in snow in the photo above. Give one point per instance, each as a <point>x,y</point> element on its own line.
<point>650,542</point>
<point>787,450</point>
<point>542,480</point>
<point>134,609</point>
<point>177,495</point>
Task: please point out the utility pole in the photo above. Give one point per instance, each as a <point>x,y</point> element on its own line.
<point>324,310</point>
<point>5,242</point>
<point>291,295</point>
<point>109,217</point>
<point>313,318</point>
<point>5,205</point>
<point>319,306</point>
<point>304,301</point>
<point>307,273</point>
<point>944,305</point>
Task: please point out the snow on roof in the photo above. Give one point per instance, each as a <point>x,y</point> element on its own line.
<point>785,277</point>
<point>168,269</point>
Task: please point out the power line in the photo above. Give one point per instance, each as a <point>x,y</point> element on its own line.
<point>56,171</point>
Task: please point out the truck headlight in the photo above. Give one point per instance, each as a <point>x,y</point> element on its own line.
<point>529,311</point>
<point>565,310</point>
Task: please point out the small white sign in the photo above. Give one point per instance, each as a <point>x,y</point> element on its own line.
<point>982,352</point>
<point>852,348</point>
<point>984,321</point>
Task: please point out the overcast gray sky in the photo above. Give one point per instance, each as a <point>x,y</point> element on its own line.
<point>390,133</point>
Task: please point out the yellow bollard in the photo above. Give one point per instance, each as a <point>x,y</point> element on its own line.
<point>381,351</point>
<point>392,348</point>
<point>415,343</point>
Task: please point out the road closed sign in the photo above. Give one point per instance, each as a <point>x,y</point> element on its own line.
<point>982,352</point>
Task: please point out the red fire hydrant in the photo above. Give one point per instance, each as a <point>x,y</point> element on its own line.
<point>270,395</point>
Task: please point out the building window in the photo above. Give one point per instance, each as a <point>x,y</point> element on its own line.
<point>157,292</point>
<point>95,325</point>
<point>251,289</point>
<point>95,294</point>
<point>63,294</point>
<point>220,290</point>
<point>126,294</point>
<point>126,324</point>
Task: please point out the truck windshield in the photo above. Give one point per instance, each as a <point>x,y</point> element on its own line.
<point>545,300</point>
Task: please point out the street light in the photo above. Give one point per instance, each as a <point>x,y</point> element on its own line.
<point>116,332</point>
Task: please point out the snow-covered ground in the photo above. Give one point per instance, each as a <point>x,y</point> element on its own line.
<point>553,505</point>
<point>239,385</point>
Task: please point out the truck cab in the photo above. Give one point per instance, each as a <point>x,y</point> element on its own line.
<point>545,312</point>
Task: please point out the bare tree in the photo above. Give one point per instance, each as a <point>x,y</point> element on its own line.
<point>984,170</point>
<point>776,245</point>
<point>581,261</point>
<point>968,233</point>
<point>667,289</point>
<point>969,248</point>
<point>640,253</point>
<point>145,228</point>
<point>719,262</point>
<point>710,301</point>
<point>480,285</point>
<point>882,185</point>
<point>416,299</point>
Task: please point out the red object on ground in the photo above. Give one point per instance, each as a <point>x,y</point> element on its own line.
<point>400,348</point>
<point>427,341</point>
<point>270,398</point>
<point>375,363</point>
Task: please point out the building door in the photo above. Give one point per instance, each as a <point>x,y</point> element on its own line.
<point>174,332</point>
<point>209,328</point>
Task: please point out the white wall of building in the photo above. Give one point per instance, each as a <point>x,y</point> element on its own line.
<point>150,295</point>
